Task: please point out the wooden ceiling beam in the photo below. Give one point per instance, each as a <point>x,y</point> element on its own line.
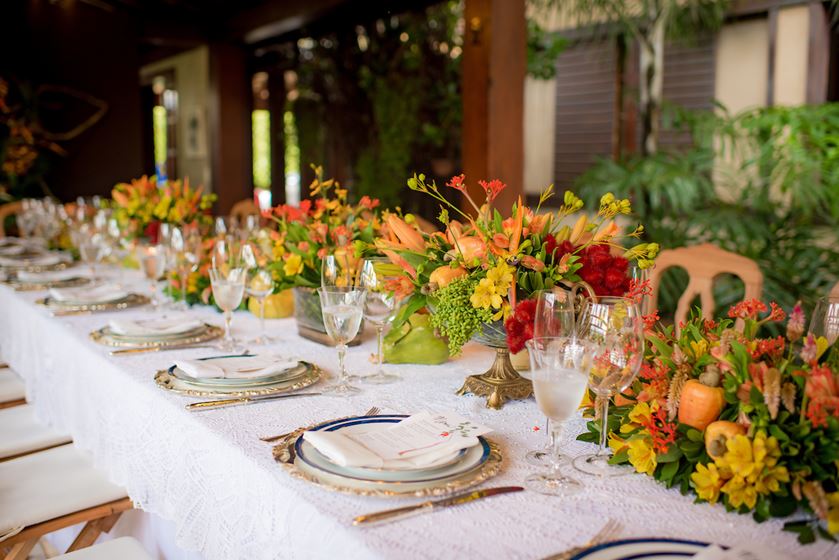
<point>278,18</point>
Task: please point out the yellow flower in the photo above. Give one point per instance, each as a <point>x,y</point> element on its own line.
<point>616,444</point>
<point>766,449</point>
<point>699,349</point>
<point>707,482</point>
<point>739,457</point>
<point>769,481</point>
<point>740,492</point>
<point>642,456</point>
<point>485,295</point>
<point>639,415</point>
<point>294,265</point>
<point>833,513</point>
<point>502,276</point>
<point>278,251</point>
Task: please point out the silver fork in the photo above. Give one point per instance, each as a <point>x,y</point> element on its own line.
<point>374,410</point>
<point>609,530</point>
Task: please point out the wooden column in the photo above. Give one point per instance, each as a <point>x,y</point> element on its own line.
<point>277,104</point>
<point>229,123</point>
<point>494,65</point>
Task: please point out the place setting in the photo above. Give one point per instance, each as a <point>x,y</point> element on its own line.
<point>391,455</point>
<point>31,259</point>
<point>151,335</point>
<point>91,299</point>
<point>238,379</point>
<point>24,281</point>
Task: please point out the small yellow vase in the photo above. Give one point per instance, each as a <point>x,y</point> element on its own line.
<point>277,306</point>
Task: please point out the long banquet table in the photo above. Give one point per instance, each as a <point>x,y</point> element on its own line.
<point>218,485</point>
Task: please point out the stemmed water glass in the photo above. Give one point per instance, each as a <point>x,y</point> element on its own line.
<point>342,309</point>
<point>825,319</point>
<point>152,259</point>
<point>90,243</point>
<point>228,289</point>
<point>554,317</point>
<point>616,326</point>
<point>336,270</point>
<point>560,368</point>
<point>379,306</point>
<point>260,285</point>
<point>228,277</point>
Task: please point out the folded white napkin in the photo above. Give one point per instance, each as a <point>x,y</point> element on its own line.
<point>236,368</point>
<point>48,276</point>
<point>103,293</point>
<point>752,551</point>
<point>423,440</point>
<point>8,250</point>
<point>153,327</point>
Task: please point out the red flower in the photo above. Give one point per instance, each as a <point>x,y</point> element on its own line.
<point>822,388</point>
<point>492,188</point>
<point>368,203</point>
<point>662,431</point>
<point>748,309</point>
<point>457,183</point>
<point>519,325</point>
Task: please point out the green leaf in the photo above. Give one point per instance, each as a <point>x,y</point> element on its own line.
<point>673,454</point>
<point>668,471</point>
<point>694,435</point>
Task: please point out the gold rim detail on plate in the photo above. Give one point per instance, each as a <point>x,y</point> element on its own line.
<point>169,382</point>
<point>209,332</point>
<point>285,456</point>
<point>38,286</point>
<point>131,300</point>
<point>37,267</point>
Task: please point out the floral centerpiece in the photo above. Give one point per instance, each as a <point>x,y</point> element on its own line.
<point>473,274</point>
<point>326,224</point>
<point>737,419</point>
<point>142,205</point>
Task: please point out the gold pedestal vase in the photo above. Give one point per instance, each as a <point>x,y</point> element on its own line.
<point>501,381</point>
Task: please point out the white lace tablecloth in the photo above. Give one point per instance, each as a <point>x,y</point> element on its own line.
<point>216,481</point>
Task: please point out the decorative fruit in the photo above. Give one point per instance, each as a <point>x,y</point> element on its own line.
<point>277,306</point>
<point>444,275</point>
<point>699,404</point>
<point>717,433</point>
<point>415,343</point>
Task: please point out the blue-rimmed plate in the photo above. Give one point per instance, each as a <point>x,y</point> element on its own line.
<point>643,549</point>
<point>448,468</point>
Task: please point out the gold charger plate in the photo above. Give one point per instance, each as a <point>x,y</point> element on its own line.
<point>39,286</point>
<point>169,382</point>
<point>38,267</point>
<point>131,300</point>
<point>104,336</point>
<point>285,455</point>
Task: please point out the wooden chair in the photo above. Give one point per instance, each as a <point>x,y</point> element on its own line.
<point>123,548</point>
<point>835,291</point>
<point>21,433</point>
<point>12,389</point>
<point>703,263</point>
<point>7,210</point>
<point>244,208</point>
<point>51,490</point>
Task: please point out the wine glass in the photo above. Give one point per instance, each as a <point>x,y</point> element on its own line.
<point>152,259</point>
<point>90,247</point>
<point>228,286</point>
<point>825,319</point>
<point>560,370</point>
<point>616,326</point>
<point>336,270</point>
<point>554,316</point>
<point>260,285</point>
<point>342,309</point>
<point>379,305</point>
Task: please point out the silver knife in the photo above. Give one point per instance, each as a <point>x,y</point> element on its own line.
<point>142,349</point>
<point>208,405</point>
<point>410,511</point>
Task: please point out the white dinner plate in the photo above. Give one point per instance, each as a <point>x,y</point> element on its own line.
<point>642,549</point>
<point>239,383</point>
<point>452,466</point>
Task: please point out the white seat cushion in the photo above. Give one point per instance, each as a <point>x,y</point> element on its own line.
<point>123,548</point>
<point>11,387</point>
<point>20,432</point>
<point>50,484</point>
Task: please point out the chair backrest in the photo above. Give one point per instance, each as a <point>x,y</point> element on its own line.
<point>835,291</point>
<point>7,210</point>
<point>703,263</point>
<point>243,209</point>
